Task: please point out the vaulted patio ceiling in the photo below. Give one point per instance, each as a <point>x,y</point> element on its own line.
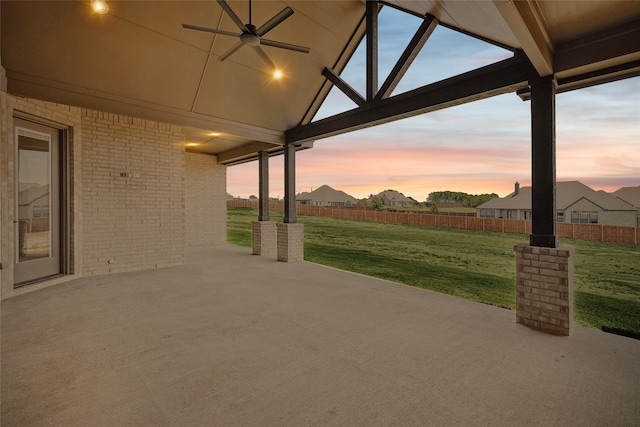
<point>138,60</point>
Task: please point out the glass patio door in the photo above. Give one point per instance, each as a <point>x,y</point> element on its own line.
<point>37,190</point>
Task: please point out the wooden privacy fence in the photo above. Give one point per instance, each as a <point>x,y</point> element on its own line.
<point>593,232</point>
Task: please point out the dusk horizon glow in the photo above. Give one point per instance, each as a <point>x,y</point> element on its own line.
<point>479,147</point>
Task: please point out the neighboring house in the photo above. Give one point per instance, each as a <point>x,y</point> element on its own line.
<point>326,196</point>
<point>395,198</point>
<point>630,195</point>
<point>575,203</point>
<point>33,202</point>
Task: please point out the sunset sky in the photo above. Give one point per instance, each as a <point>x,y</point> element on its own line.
<point>481,147</point>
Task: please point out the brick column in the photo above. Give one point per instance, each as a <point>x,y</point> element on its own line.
<point>544,288</point>
<point>264,238</point>
<point>290,242</point>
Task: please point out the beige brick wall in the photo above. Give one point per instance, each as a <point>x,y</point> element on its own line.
<point>128,192</point>
<point>205,200</point>
<point>64,116</point>
<point>133,200</point>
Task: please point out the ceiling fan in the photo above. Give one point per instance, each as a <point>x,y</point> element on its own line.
<point>252,36</point>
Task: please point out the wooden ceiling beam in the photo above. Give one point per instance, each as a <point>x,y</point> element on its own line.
<point>526,22</point>
<point>505,76</point>
<point>598,48</point>
<point>250,149</point>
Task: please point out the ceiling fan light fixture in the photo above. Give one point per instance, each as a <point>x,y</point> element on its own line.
<point>99,6</point>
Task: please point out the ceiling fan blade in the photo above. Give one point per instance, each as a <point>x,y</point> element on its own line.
<point>231,51</point>
<point>261,53</point>
<point>283,45</point>
<point>209,30</point>
<point>233,16</point>
<point>276,20</point>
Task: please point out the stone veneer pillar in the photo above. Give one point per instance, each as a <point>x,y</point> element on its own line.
<point>290,242</point>
<point>264,238</point>
<point>544,288</point>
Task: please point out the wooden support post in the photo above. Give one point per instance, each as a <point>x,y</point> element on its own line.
<point>372,48</point>
<point>290,184</point>
<point>543,163</point>
<point>263,186</point>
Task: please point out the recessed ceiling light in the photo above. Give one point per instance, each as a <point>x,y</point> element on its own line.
<point>215,134</point>
<point>99,6</point>
<point>191,144</point>
<point>277,74</point>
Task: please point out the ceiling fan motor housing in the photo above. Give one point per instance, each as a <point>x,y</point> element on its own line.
<point>250,38</point>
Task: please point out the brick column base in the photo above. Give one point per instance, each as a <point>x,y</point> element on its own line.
<point>290,242</point>
<point>544,288</point>
<point>264,238</point>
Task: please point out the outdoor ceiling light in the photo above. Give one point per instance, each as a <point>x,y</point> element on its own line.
<point>99,6</point>
<point>277,74</point>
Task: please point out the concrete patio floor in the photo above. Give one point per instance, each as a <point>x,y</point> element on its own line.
<point>232,339</point>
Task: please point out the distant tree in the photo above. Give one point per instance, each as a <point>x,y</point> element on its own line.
<point>434,208</point>
<point>376,203</point>
<point>253,197</point>
<point>475,200</point>
<point>459,198</point>
<point>415,202</point>
<point>364,202</point>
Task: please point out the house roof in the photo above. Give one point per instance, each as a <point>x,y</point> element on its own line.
<point>326,194</point>
<point>138,60</point>
<point>395,195</point>
<point>630,195</point>
<point>567,194</point>
<point>33,193</point>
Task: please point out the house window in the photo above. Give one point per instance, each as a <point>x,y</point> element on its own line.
<point>575,217</point>
<point>584,217</point>
<point>527,215</point>
<point>37,211</point>
<point>560,216</point>
<point>487,213</point>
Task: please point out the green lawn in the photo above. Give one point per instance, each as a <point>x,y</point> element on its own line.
<point>478,266</point>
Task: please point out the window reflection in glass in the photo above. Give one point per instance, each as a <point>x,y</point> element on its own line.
<point>34,179</point>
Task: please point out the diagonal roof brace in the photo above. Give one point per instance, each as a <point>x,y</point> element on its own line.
<point>343,86</point>
<point>421,36</point>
